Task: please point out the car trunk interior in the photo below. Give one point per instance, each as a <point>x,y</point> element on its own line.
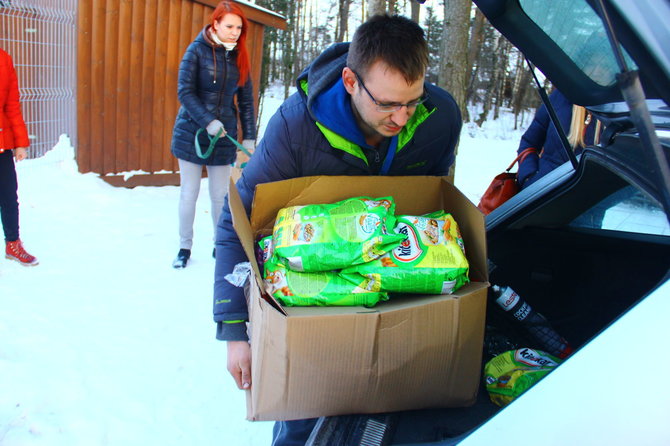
<point>552,247</point>
<point>580,279</point>
<point>557,257</point>
<point>559,272</point>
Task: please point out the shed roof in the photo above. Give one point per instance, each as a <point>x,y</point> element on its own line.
<point>255,13</point>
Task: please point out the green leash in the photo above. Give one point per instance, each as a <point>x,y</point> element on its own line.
<point>212,142</point>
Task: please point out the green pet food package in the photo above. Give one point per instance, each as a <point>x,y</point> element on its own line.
<point>431,259</point>
<point>510,374</point>
<point>326,288</point>
<point>326,237</point>
<point>265,251</point>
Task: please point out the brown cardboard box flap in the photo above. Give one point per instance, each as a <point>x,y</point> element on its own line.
<point>412,352</point>
<point>243,229</point>
<point>420,356</point>
<point>413,196</point>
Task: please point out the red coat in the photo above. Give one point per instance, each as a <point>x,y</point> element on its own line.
<point>13,132</point>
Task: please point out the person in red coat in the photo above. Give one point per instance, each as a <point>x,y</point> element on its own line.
<point>13,144</point>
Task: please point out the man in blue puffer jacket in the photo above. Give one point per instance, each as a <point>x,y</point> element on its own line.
<point>361,109</point>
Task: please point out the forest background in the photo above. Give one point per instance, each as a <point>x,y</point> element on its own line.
<point>468,57</point>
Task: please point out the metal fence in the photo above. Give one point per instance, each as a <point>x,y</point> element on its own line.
<point>40,35</point>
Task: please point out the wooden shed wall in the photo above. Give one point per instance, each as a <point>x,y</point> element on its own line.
<point>128,60</point>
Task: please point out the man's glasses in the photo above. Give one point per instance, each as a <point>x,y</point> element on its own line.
<point>389,108</point>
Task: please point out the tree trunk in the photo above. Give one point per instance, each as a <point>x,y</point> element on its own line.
<point>298,46</point>
<point>376,7</point>
<point>502,91</point>
<point>452,75</point>
<point>288,49</point>
<point>474,50</point>
<point>416,10</point>
<point>274,75</point>
<point>521,89</point>
<point>343,20</point>
<point>453,52</point>
<point>493,81</point>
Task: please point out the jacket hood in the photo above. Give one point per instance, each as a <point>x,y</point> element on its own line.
<point>324,71</point>
<point>328,102</point>
<point>203,37</point>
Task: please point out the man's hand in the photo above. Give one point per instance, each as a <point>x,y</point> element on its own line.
<point>239,363</point>
<point>20,153</point>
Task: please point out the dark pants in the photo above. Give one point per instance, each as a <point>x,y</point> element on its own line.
<point>292,433</point>
<point>9,200</point>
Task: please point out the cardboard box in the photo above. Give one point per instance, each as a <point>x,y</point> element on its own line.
<point>407,353</point>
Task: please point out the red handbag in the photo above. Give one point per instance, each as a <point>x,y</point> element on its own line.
<point>503,187</point>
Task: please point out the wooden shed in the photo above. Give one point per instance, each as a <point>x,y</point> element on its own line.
<point>127,65</point>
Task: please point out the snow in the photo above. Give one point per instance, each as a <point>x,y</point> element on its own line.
<point>104,343</point>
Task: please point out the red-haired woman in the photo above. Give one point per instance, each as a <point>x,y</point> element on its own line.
<point>214,70</point>
<point>13,144</point>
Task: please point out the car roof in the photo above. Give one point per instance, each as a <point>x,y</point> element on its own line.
<point>568,42</point>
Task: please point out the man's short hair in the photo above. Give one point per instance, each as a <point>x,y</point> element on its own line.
<point>395,40</point>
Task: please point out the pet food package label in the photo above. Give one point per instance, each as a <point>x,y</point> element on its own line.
<point>325,288</point>
<point>431,259</point>
<point>264,251</point>
<point>510,374</point>
<point>326,237</point>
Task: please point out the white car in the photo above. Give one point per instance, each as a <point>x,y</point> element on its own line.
<point>587,245</point>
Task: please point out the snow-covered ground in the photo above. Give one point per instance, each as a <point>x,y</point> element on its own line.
<point>104,343</point>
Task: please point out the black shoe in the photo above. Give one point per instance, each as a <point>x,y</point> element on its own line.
<point>182,258</point>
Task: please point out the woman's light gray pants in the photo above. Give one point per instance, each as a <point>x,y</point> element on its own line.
<point>190,175</point>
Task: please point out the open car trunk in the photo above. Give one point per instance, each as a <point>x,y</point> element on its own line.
<point>567,258</point>
<point>581,245</point>
<point>564,255</point>
<point>560,273</point>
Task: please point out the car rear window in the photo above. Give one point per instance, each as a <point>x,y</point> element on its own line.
<point>627,210</point>
<point>575,27</point>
